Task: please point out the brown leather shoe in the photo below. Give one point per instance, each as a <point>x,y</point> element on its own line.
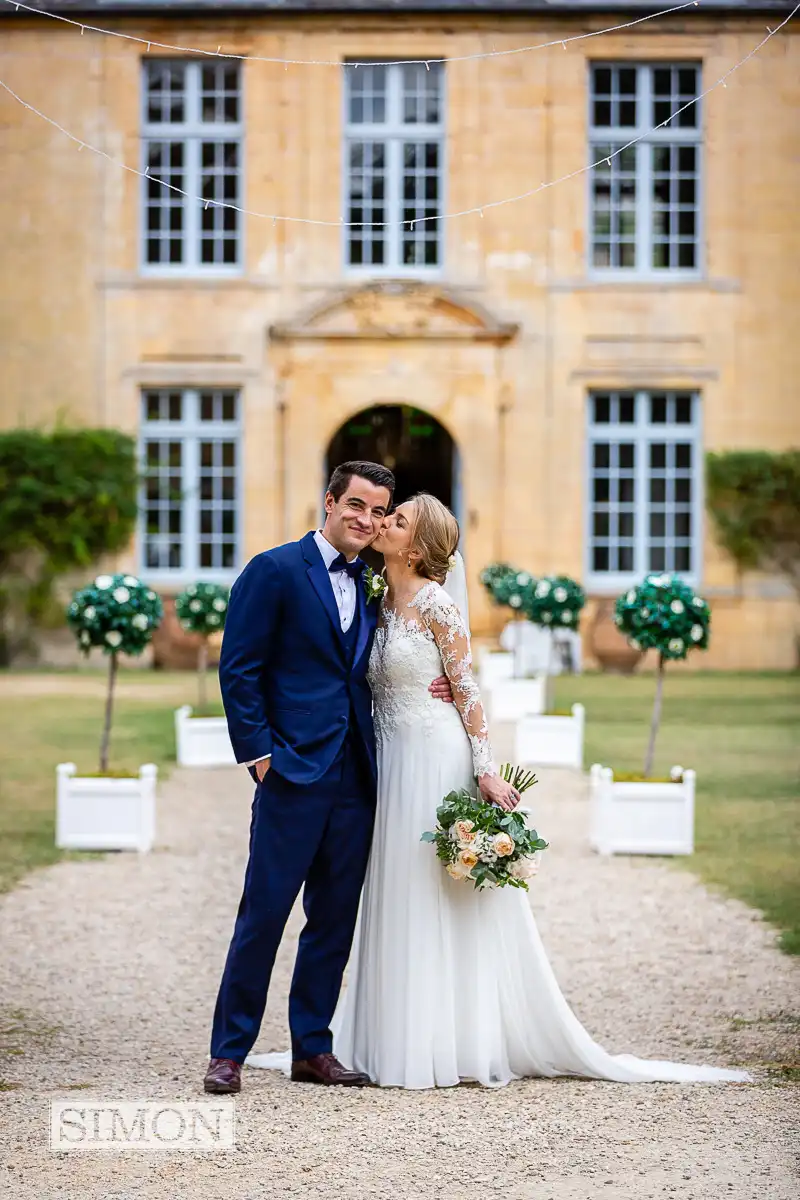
<point>223,1076</point>
<point>326,1068</point>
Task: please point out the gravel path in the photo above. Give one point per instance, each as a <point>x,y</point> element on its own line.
<point>109,970</point>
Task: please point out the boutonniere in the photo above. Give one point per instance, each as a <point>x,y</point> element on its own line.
<point>374,585</point>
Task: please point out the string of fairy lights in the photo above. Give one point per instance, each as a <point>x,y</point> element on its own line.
<point>150,44</point>
<point>474,210</point>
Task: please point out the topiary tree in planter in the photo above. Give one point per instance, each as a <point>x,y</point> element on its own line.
<point>554,602</point>
<point>117,614</point>
<point>509,587</point>
<point>202,609</point>
<point>666,615</point>
<point>505,584</point>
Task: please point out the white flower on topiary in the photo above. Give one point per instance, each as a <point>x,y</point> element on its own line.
<point>566,616</point>
<point>560,595</point>
<point>85,638</point>
<point>191,589</point>
<point>186,624</point>
<point>523,579</point>
<point>645,613</point>
<point>515,602</point>
<point>677,606</point>
<point>103,583</point>
<point>542,589</point>
<point>130,580</point>
<point>140,621</point>
<point>547,618</point>
<point>697,633</point>
<point>195,605</point>
<point>636,645</point>
<point>114,637</point>
<point>617,619</point>
<point>698,602</point>
<point>89,612</point>
<point>212,619</point>
<point>676,645</point>
<point>220,605</point>
<point>151,595</point>
<point>121,595</point>
<point>631,596</point>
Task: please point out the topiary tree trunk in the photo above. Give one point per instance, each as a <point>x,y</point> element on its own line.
<point>112,679</point>
<point>655,721</point>
<point>202,668</point>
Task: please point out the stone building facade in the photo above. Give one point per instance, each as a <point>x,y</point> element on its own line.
<point>555,367</point>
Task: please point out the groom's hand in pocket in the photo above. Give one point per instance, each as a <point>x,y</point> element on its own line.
<point>262,767</point>
<point>440,689</point>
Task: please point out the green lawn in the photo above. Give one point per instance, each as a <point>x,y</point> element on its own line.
<point>41,730</point>
<point>741,733</point>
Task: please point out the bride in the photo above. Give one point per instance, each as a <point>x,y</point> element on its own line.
<point>446,983</point>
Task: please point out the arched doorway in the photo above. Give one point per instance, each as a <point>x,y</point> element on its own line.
<point>407,440</point>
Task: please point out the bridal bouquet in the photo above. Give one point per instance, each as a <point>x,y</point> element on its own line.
<point>484,843</point>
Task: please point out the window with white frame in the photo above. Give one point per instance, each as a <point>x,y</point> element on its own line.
<point>644,485</point>
<point>190,496</point>
<point>394,166</point>
<point>645,198</point>
<point>192,142</point>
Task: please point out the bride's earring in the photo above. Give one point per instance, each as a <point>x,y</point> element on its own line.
<point>409,562</point>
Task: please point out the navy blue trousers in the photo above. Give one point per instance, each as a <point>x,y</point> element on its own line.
<point>319,835</point>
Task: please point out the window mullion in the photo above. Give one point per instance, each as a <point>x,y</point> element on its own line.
<point>394,231</point>
<point>641,485</point>
<point>644,215</point>
<point>191,484</point>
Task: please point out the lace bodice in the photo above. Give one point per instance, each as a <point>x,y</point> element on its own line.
<point>409,652</point>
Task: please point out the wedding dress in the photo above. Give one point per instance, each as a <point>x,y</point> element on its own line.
<point>445,983</point>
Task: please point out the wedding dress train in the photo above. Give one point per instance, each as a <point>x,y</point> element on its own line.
<point>445,983</point>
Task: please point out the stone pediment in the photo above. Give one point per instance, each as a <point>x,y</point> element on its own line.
<point>395,309</point>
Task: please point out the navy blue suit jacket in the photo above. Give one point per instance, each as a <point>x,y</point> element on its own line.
<point>287,685</point>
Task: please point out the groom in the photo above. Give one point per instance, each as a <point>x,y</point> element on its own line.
<point>293,674</point>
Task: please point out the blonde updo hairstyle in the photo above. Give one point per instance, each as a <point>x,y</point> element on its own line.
<point>434,537</point>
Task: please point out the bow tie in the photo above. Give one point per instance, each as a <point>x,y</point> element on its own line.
<point>353,568</point>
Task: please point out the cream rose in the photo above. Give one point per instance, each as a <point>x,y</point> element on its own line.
<point>503,844</point>
<point>524,868</point>
<point>468,858</point>
<point>463,829</point>
<point>456,871</point>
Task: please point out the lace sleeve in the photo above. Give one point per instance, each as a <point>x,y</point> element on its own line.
<point>451,635</point>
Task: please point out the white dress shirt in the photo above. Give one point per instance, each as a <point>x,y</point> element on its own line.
<point>344,593</point>
<point>344,588</point>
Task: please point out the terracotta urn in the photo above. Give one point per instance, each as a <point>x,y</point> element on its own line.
<point>607,645</point>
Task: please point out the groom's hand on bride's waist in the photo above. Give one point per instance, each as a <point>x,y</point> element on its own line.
<point>440,689</point>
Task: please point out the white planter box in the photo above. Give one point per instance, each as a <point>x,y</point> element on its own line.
<point>494,666</point>
<point>641,818</point>
<point>551,741</point>
<point>511,699</point>
<point>202,741</point>
<point>105,813</point>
